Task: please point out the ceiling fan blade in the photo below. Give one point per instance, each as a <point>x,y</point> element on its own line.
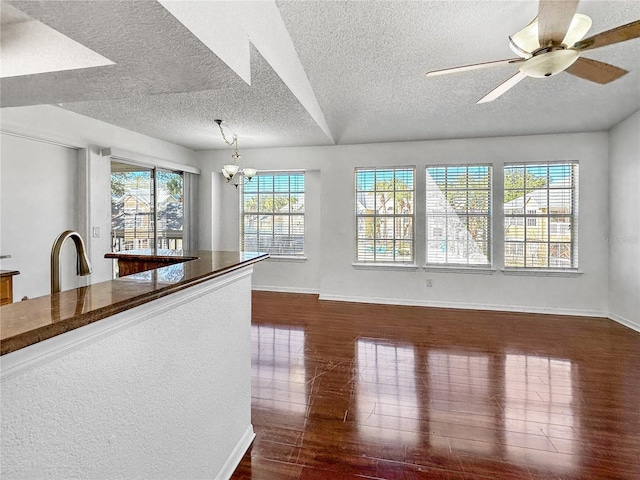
<point>615,35</point>
<point>595,71</point>
<point>502,88</point>
<point>476,66</point>
<point>554,20</point>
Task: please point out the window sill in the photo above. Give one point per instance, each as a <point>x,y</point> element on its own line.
<point>460,269</point>
<point>384,266</point>
<point>540,272</point>
<point>287,258</point>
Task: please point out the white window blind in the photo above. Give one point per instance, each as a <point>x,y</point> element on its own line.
<point>541,215</point>
<point>272,213</point>
<point>458,218</point>
<point>385,215</point>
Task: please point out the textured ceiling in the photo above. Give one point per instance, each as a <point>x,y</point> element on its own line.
<point>46,51</point>
<point>359,65</point>
<point>152,51</point>
<point>366,61</point>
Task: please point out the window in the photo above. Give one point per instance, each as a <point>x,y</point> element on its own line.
<point>459,215</point>
<point>272,211</point>
<point>385,215</point>
<point>147,208</point>
<point>540,215</point>
<point>531,221</point>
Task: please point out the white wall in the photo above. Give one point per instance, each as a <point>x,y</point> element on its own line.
<point>162,391</point>
<point>337,278</point>
<point>47,121</point>
<point>48,188</point>
<point>330,223</point>
<point>290,275</point>
<point>38,202</point>
<point>623,238</point>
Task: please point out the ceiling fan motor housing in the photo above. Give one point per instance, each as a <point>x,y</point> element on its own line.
<point>549,63</point>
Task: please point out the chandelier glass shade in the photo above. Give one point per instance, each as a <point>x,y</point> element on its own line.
<point>249,173</point>
<point>230,170</point>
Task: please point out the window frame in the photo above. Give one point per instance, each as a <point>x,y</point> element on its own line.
<point>242,190</point>
<point>447,265</point>
<point>385,262</point>
<point>530,220</point>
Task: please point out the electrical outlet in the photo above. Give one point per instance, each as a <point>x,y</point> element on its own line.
<point>429,282</point>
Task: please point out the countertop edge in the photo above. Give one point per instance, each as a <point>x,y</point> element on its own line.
<point>150,257</point>
<point>31,337</point>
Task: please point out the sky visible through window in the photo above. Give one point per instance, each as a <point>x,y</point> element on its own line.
<point>366,179</point>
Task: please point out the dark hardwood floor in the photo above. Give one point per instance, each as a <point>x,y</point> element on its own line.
<point>346,391</point>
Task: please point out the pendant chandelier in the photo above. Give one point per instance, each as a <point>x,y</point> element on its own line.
<point>232,172</point>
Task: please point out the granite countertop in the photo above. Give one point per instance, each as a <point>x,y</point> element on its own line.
<point>32,321</point>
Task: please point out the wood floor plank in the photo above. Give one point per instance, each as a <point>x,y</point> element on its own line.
<point>350,391</point>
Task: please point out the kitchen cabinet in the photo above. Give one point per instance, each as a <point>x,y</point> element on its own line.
<point>6,286</point>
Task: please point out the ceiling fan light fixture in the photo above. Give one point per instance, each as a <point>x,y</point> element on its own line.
<point>549,63</point>
<point>579,27</point>
<point>526,40</point>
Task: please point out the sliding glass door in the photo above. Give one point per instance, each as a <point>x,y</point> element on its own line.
<point>170,209</point>
<point>147,209</point>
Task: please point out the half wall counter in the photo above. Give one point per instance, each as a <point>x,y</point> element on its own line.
<point>144,376</point>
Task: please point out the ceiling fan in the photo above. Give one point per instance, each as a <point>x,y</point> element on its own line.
<point>552,43</point>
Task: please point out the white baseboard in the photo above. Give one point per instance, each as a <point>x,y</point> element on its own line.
<point>269,288</point>
<point>236,456</point>
<point>465,306</point>
<point>625,321</point>
<point>457,305</point>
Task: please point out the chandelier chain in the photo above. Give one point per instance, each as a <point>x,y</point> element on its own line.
<point>224,137</point>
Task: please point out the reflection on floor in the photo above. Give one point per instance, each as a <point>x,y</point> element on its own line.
<point>277,369</point>
<point>386,394</point>
<point>346,391</point>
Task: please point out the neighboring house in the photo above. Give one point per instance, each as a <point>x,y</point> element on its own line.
<point>540,230</point>
<point>280,232</point>
<point>132,220</point>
